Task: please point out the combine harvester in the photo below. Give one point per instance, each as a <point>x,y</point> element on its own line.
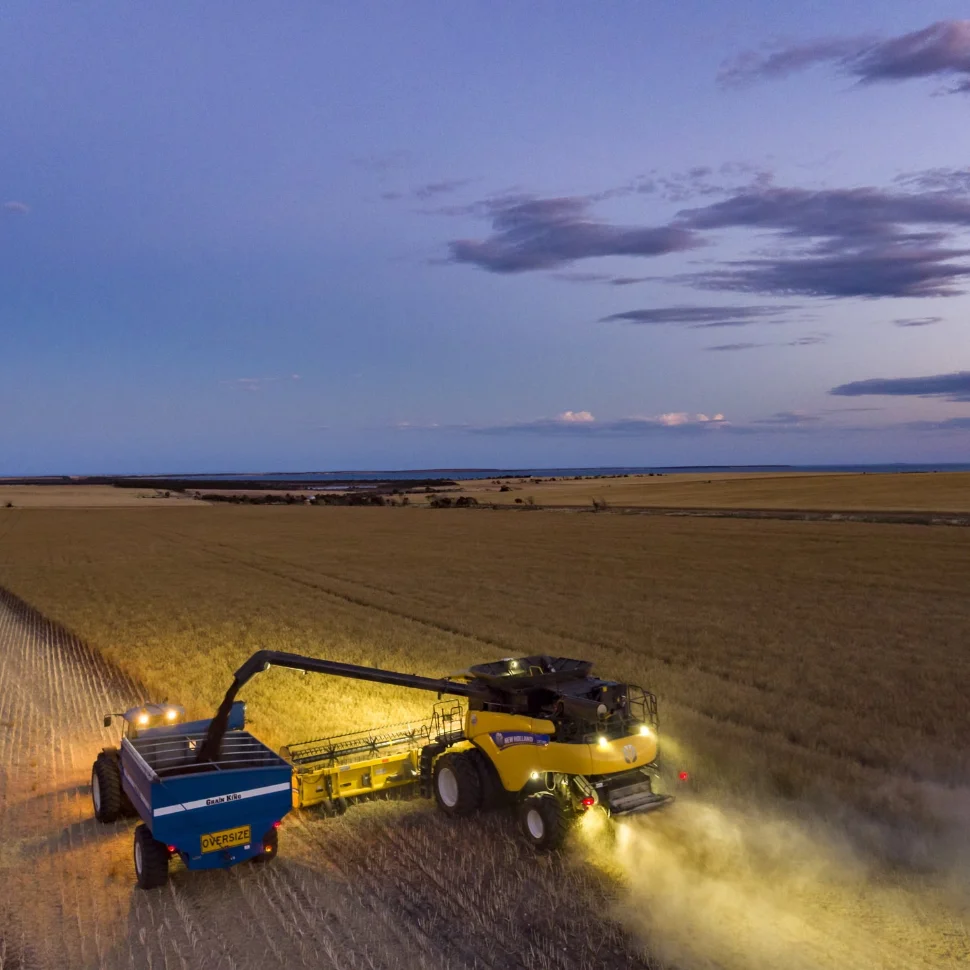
<point>538,733</point>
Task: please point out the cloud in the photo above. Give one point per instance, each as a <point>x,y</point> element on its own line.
<point>673,422</point>
<point>811,340</point>
<point>917,321</point>
<point>430,190</point>
<point>956,180</point>
<point>700,317</point>
<point>21,208</point>
<point>860,242</point>
<point>950,387</point>
<point>606,278</point>
<point>256,383</point>
<point>383,162</point>
<point>740,346</point>
<point>788,418</point>
<point>940,50</point>
<point>530,233</point>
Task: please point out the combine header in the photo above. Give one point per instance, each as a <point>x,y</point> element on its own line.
<point>538,733</point>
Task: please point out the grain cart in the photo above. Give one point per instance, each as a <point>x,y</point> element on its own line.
<point>540,733</point>
<point>212,813</point>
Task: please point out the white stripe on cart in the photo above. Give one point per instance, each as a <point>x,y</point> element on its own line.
<point>222,799</point>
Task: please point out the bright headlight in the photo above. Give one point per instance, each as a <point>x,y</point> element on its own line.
<point>603,743</point>
<point>142,719</point>
<point>645,731</point>
<point>171,713</point>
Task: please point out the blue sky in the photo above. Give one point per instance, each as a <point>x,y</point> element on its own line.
<point>483,234</point>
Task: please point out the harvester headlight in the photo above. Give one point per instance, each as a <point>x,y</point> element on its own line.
<point>603,743</point>
<point>143,718</point>
<point>171,714</point>
<point>534,776</point>
<point>645,731</point>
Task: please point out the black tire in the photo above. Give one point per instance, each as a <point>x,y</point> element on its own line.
<point>271,846</point>
<point>493,792</point>
<point>106,794</point>
<point>151,859</point>
<point>457,784</point>
<point>544,821</point>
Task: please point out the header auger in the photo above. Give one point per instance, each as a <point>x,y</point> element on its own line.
<point>540,734</point>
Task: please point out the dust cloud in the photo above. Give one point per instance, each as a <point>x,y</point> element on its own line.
<point>725,885</point>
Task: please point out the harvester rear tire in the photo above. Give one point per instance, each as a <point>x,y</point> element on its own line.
<point>544,821</point>
<point>151,859</point>
<point>106,794</point>
<point>457,784</point>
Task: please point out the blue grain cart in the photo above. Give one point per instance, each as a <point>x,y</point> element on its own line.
<point>211,814</point>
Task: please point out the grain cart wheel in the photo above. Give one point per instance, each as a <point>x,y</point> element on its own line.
<point>106,793</point>
<point>271,846</point>
<point>544,821</point>
<point>151,859</point>
<point>457,784</point>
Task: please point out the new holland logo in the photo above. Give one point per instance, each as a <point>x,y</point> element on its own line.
<point>507,739</point>
<point>629,753</point>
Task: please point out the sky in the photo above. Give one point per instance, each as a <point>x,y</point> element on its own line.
<point>309,236</point>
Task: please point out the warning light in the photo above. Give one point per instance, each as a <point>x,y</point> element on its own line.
<point>171,849</point>
<point>276,825</point>
<point>589,801</point>
<point>683,776</point>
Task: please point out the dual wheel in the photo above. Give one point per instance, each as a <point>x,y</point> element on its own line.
<point>463,784</point>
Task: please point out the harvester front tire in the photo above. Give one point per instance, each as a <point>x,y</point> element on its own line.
<point>106,794</point>
<point>544,822</point>
<point>151,859</point>
<point>457,784</point>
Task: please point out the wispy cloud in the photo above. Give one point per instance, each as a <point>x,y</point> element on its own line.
<point>940,50</point>
<point>788,418</point>
<point>862,242</point>
<point>608,279</point>
<point>429,190</point>
<point>917,321</point>
<point>738,346</point>
<point>21,208</point>
<point>697,317</point>
<point>949,387</point>
<point>530,233</point>
<point>582,423</point>
<point>257,383</point>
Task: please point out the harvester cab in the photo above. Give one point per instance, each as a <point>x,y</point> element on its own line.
<point>147,716</point>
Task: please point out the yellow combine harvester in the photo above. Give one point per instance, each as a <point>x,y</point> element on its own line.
<point>540,733</point>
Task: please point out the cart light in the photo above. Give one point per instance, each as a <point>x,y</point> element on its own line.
<point>683,776</point>
<point>534,776</point>
<point>603,743</point>
<point>645,731</point>
<point>171,713</point>
<point>276,825</point>
<point>143,718</point>
<point>589,801</point>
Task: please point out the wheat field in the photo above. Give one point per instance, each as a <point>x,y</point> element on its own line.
<point>812,679</point>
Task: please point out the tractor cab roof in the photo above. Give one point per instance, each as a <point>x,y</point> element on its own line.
<point>145,714</point>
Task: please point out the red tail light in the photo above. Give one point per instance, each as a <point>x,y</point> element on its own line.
<point>683,776</point>
<point>589,801</point>
<point>276,825</point>
<point>172,848</point>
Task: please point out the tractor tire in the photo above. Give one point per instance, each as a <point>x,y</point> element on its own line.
<point>271,846</point>
<point>151,859</point>
<point>457,784</point>
<point>106,794</point>
<point>544,821</point>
